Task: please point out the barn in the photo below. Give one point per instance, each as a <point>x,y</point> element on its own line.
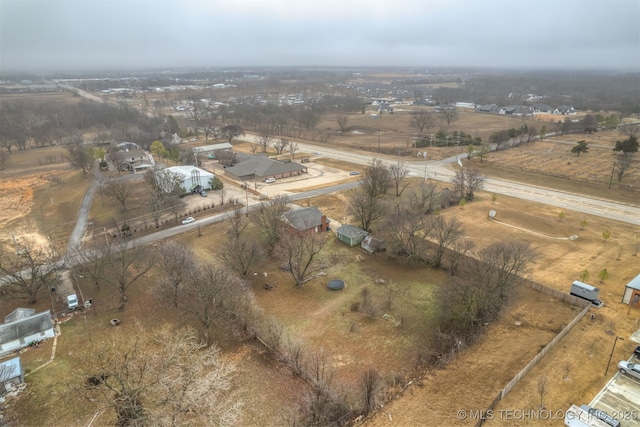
<point>632,292</point>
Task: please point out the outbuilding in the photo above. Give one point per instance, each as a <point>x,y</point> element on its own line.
<point>632,292</point>
<point>190,177</point>
<point>11,374</point>
<point>350,234</point>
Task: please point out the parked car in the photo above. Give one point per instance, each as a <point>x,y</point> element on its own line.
<point>188,220</point>
<point>601,415</point>
<point>354,173</point>
<point>636,352</point>
<point>632,369</point>
<point>203,193</point>
<point>270,180</point>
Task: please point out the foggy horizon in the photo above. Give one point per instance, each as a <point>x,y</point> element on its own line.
<point>92,35</point>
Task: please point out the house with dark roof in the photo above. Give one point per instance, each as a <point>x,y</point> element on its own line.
<point>307,220</point>
<point>517,110</point>
<point>260,167</point>
<point>488,108</point>
<point>350,234</point>
<point>542,108</point>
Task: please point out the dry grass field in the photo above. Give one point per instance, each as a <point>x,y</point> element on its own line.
<point>44,205</point>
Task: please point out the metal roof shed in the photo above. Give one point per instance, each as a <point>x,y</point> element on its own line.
<point>11,374</point>
<point>632,292</point>
<point>350,234</point>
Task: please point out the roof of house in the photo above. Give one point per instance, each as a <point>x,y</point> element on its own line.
<point>10,369</point>
<point>185,171</point>
<point>19,313</point>
<point>351,231</point>
<point>372,244</point>
<point>542,107</point>
<point>304,218</point>
<point>20,328</point>
<point>263,167</point>
<point>634,283</point>
<point>488,107</point>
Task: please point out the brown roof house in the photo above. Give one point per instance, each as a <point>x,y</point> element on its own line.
<point>308,219</point>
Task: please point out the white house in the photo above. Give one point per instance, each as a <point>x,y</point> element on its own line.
<point>632,292</point>
<point>21,329</point>
<point>190,177</point>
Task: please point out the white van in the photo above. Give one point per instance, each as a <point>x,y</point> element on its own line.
<point>72,301</point>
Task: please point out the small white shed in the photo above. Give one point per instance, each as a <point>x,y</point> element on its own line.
<point>632,292</point>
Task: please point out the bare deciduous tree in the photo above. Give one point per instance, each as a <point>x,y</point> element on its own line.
<point>227,158</point>
<point>177,263</point>
<point>398,174</point>
<point>375,179</point>
<point>118,266</point>
<point>543,389</point>
<point>299,251</point>
<point>623,162</point>
<point>268,218</point>
<point>161,378</point>
<point>445,232</point>
<point>280,145</point>
<point>467,182</point>
<point>240,253</point>
<point>293,148</point>
<point>231,131</point>
<point>79,155</point>
<point>265,138</point>
<point>365,209</point>
<point>342,122</point>
<point>423,120</point>
<point>28,271</point>
<point>209,293</point>
<point>426,198</point>
<point>449,115</point>
<point>405,234</point>
<point>121,190</point>
<point>372,387</point>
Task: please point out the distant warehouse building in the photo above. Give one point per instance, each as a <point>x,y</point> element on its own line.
<point>632,292</point>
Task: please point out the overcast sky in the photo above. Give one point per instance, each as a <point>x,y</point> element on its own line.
<point>74,35</point>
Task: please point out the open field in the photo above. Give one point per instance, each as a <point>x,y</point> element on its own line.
<point>52,98</point>
<point>319,317</point>
<point>324,319</point>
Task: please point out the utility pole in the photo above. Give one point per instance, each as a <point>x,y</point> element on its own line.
<point>611,355</point>
<point>246,193</point>
<point>613,169</point>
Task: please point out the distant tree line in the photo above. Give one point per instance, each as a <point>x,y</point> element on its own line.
<point>25,125</point>
<point>583,90</point>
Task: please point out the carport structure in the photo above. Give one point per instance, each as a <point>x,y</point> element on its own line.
<point>621,399</point>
